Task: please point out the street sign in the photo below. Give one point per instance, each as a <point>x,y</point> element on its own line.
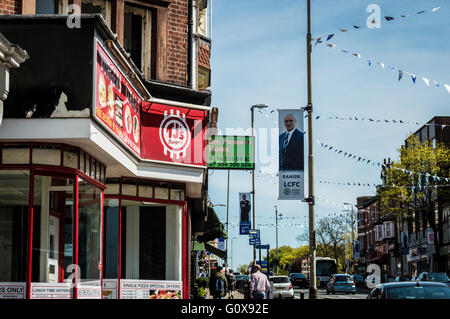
<point>263,246</point>
<point>253,233</point>
<point>254,241</point>
<point>231,152</point>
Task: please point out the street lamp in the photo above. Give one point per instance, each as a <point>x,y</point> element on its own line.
<point>353,227</point>
<point>276,232</point>
<point>252,109</point>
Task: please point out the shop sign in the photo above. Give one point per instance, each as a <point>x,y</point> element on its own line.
<point>150,289</point>
<point>44,290</point>
<point>231,152</point>
<point>12,290</point>
<point>173,134</point>
<point>117,104</point>
<point>110,288</point>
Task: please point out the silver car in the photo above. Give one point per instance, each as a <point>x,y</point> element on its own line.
<point>281,287</point>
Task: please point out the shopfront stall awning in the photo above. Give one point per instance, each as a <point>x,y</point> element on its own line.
<point>216,251</point>
<point>213,228</point>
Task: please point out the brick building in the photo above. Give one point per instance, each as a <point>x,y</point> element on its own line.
<point>101,145</point>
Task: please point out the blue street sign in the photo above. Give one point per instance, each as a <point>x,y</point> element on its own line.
<point>263,246</point>
<point>253,233</point>
<point>254,241</point>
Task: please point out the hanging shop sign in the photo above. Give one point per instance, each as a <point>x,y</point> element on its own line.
<point>12,290</point>
<point>117,103</point>
<point>150,289</point>
<point>173,134</point>
<point>231,152</point>
<point>291,155</point>
<point>244,213</point>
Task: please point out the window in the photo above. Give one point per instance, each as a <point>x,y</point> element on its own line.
<point>46,7</point>
<point>13,225</point>
<point>137,37</point>
<point>98,6</point>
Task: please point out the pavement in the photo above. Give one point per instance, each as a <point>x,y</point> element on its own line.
<point>361,293</point>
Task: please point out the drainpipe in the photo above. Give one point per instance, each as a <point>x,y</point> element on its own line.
<point>192,54</point>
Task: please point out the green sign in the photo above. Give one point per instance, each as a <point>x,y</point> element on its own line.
<point>231,152</point>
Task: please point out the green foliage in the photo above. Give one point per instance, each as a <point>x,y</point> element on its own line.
<point>242,269</point>
<point>202,282</point>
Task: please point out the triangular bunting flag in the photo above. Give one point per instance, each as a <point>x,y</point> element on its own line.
<point>330,36</point>
<point>389,18</point>
<point>400,74</point>
<point>343,30</point>
<point>421,12</point>
<point>427,82</point>
<point>435,9</point>
<point>447,87</point>
<point>413,77</point>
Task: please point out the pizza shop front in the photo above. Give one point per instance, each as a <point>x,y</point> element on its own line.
<point>95,189</point>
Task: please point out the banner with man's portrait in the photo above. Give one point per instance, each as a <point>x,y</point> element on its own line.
<point>245,200</point>
<point>291,155</point>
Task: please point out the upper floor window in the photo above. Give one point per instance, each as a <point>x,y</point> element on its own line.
<point>137,37</point>
<point>98,6</point>
<point>46,7</point>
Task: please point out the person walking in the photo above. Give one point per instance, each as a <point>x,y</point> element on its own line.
<point>231,279</point>
<point>259,284</point>
<point>218,284</point>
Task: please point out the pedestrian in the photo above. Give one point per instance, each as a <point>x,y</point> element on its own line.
<point>259,284</point>
<point>218,284</point>
<point>231,279</point>
<point>202,273</point>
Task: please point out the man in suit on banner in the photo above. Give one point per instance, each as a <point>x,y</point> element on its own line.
<point>291,146</point>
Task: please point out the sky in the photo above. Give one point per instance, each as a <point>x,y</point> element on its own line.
<point>259,56</point>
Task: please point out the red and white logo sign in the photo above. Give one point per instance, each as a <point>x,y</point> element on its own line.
<point>174,134</point>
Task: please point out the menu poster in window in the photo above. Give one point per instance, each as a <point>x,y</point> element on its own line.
<point>117,104</point>
<point>12,290</point>
<point>150,289</point>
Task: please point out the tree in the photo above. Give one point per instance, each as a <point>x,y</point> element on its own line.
<point>332,234</point>
<point>409,190</point>
<point>243,269</point>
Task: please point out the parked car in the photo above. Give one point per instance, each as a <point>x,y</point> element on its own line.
<point>359,280</point>
<point>434,277</point>
<point>410,290</point>
<point>413,279</point>
<point>402,278</point>
<point>281,287</point>
<point>299,280</point>
<point>341,283</point>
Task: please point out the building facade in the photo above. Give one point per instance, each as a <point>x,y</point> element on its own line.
<point>101,148</point>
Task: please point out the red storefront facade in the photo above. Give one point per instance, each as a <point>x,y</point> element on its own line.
<point>95,191</point>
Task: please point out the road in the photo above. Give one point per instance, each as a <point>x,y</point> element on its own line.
<point>361,293</point>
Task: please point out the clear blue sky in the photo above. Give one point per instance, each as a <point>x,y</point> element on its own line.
<point>259,56</point>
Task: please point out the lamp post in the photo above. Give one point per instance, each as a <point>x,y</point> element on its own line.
<point>276,234</point>
<point>310,199</point>
<point>252,109</point>
<point>232,251</point>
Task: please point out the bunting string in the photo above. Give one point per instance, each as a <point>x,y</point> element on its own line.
<point>271,114</point>
<point>327,37</point>
<point>400,72</point>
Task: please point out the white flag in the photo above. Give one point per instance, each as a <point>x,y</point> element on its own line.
<point>427,82</point>
<point>447,87</point>
<point>435,9</point>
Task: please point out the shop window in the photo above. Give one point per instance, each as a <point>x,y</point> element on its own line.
<point>14,185</point>
<point>82,161</point>
<point>137,37</point>
<point>15,154</point>
<point>71,157</point>
<point>129,187</point>
<point>111,239</point>
<point>146,188</point>
<point>161,190</point>
<point>89,235</point>
<point>46,154</point>
<point>177,192</point>
<point>151,242</point>
<point>46,7</point>
<point>53,200</point>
